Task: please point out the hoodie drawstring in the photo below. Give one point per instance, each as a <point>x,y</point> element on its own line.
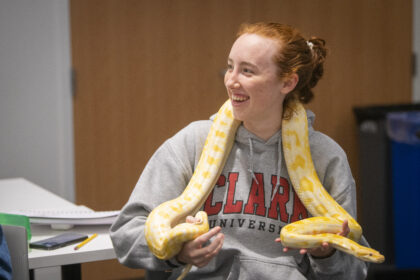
<point>251,163</point>
<point>279,165</point>
<point>279,152</point>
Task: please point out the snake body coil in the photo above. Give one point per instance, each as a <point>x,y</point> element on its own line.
<point>329,215</point>
<point>165,234</point>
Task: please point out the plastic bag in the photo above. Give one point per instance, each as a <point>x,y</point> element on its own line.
<point>404,127</point>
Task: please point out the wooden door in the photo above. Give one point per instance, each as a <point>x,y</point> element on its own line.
<point>145,69</point>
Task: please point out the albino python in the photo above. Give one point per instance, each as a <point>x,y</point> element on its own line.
<point>165,231</point>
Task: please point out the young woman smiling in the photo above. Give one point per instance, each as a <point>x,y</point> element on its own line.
<point>269,65</point>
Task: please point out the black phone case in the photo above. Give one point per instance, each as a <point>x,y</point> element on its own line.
<point>58,241</point>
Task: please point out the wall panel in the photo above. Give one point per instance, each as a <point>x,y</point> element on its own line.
<point>145,69</point>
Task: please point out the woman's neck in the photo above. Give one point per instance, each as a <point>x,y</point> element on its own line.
<point>263,130</point>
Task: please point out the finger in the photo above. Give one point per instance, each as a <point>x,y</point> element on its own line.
<point>199,241</point>
<point>205,254</point>
<point>212,247</point>
<point>323,247</point>
<point>345,228</point>
<point>216,245</point>
<point>190,219</point>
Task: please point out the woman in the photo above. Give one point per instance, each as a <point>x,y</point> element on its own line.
<point>269,65</point>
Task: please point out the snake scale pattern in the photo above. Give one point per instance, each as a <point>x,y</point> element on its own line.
<point>166,232</point>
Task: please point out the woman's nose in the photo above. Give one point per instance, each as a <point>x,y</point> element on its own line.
<point>231,80</point>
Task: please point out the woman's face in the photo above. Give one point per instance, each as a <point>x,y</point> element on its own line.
<point>252,83</point>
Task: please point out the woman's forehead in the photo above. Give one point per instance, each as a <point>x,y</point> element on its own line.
<point>255,48</point>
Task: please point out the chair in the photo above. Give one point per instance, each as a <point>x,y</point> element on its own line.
<point>18,247</point>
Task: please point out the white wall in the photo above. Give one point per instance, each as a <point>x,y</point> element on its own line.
<point>36,137</point>
<point>416,49</point>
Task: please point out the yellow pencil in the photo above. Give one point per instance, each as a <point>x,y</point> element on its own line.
<point>86,241</point>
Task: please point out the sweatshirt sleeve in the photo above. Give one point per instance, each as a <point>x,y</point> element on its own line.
<point>164,177</point>
<point>334,172</point>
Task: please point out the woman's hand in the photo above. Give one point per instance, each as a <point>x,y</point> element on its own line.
<point>194,252</point>
<point>325,250</point>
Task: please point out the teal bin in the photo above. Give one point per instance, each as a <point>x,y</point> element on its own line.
<point>403,129</point>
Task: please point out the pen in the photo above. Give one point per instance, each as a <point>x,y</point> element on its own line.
<point>86,241</point>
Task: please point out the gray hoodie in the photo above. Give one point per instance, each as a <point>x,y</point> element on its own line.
<point>252,200</point>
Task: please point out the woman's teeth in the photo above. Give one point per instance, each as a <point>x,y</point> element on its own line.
<point>240,98</point>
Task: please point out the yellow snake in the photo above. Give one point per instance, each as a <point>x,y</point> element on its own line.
<point>328,214</point>
<point>165,232</point>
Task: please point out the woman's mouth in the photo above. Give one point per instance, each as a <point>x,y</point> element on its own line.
<point>239,98</point>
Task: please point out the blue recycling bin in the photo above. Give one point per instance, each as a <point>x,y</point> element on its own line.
<point>403,129</point>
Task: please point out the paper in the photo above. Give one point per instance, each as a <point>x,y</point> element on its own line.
<point>78,215</point>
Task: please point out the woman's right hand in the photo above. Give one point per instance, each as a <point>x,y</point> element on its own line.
<point>194,252</point>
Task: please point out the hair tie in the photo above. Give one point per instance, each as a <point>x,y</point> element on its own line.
<point>310,44</point>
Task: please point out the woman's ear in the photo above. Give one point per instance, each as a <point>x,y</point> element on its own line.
<point>290,83</point>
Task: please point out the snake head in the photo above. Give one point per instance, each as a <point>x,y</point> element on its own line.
<point>202,219</point>
<point>370,255</point>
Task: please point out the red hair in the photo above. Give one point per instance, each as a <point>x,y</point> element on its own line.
<point>295,54</point>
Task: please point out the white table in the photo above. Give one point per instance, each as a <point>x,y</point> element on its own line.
<point>20,194</point>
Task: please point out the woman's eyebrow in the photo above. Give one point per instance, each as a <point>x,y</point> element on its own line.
<point>244,63</point>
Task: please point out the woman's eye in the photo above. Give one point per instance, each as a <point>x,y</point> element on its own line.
<point>247,71</point>
<point>229,67</point>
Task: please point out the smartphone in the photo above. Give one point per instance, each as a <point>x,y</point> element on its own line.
<point>58,241</point>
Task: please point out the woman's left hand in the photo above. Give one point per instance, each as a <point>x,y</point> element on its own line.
<point>325,250</point>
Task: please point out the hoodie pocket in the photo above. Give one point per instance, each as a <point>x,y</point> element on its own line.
<point>245,268</point>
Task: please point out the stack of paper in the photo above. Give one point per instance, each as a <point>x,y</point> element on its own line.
<point>79,215</point>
